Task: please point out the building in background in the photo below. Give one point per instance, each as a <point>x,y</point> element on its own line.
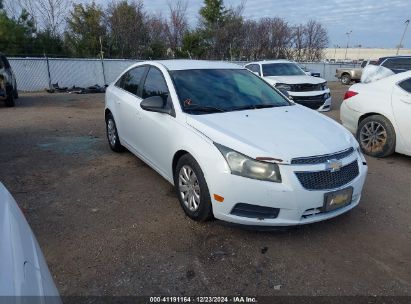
<point>359,54</point>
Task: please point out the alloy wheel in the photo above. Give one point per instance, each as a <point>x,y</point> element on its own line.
<point>373,136</point>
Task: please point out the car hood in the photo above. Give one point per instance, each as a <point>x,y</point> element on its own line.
<point>282,133</point>
<point>24,269</point>
<point>294,79</point>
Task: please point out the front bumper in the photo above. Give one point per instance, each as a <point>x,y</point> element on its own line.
<point>316,100</point>
<point>297,206</point>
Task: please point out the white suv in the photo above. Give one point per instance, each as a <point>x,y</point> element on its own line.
<point>287,76</point>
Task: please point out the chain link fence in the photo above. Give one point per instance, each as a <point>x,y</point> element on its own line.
<point>37,74</point>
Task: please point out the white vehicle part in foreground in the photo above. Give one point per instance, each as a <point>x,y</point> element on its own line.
<point>373,73</point>
<point>23,269</point>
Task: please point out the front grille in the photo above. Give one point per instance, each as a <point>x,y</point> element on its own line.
<point>312,102</point>
<point>253,211</point>
<point>307,87</point>
<point>323,180</point>
<point>321,159</point>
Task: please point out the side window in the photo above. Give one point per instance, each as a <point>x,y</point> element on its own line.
<point>398,63</point>
<point>155,84</point>
<point>254,68</point>
<point>406,85</point>
<point>130,81</point>
<point>404,64</point>
<point>389,63</point>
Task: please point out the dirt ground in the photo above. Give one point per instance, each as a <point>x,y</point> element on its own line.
<point>110,225</point>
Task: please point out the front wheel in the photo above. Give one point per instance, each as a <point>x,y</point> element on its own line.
<point>192,189</point>
<point>112,134</point>
<point>376,136</point>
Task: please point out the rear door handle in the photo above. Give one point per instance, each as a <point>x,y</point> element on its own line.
<point>406,100</point>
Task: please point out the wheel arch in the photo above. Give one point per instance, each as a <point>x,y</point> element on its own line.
<point>364,116</point>
<point>176,157</point>
<point>107,112</point>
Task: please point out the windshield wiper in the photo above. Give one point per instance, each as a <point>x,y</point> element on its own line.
<point>208,109</point>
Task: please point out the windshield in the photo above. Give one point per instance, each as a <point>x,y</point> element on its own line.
<point>223,90</point>
<point>281,69</point>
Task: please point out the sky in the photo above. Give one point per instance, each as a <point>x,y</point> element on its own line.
<point>374,23</point>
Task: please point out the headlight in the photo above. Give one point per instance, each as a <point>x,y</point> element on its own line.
<point>247,167</point>
<point>283,86</point>
<point>324,86</point>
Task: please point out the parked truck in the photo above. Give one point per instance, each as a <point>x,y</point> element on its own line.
<point>346,75</point>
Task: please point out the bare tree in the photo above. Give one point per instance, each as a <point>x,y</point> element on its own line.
<point>177,24</point>
<point>316,40</point>
<point>48,14</point>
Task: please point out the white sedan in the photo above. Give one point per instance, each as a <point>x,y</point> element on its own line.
<point>379,113</point>
<point>232,145</point>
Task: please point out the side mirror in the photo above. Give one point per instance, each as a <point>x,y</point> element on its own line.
<point>158,104</point>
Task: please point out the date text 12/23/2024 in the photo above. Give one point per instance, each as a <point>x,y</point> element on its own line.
<point>187,299</point>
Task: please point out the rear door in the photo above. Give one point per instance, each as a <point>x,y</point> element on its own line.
<point>401,100</point>
<point>128,105</point>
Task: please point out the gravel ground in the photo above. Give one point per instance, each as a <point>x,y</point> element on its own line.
<point>109,225</point>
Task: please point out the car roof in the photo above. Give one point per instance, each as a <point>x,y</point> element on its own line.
<point>393,57</point>
<point>271,61</point>
<point>188,64</point>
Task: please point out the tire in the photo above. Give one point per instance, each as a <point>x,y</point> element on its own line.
<point>376,136</point>
<point>10,98</point>
<point>112,134</point>
<point>16,94</point>
<point>196,201</point>
<point>346,79</point>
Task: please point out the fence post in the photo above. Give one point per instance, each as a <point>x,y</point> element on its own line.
<point>48,72</point>
<point>102,61</point>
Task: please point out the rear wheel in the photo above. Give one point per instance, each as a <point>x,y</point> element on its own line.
<point>192,189</point>
<point>346,79</point>
<point>376,136</point>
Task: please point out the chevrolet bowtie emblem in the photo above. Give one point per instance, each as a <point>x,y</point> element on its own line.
<point>333,165</point>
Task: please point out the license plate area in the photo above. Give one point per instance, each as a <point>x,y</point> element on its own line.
<point>337,199</point>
